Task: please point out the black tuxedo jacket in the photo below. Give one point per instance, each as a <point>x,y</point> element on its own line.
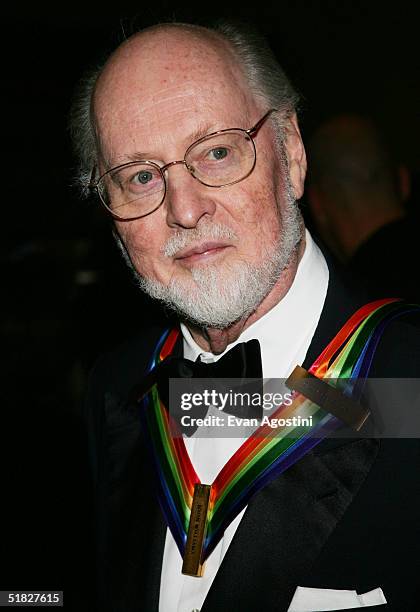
<point>346,516</point>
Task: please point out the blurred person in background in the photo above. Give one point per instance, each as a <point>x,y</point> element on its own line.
<point>357,194</point>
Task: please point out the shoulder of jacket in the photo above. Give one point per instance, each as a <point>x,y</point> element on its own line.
<point>122,367</point>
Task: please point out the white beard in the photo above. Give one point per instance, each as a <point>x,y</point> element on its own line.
<point>213,299</point>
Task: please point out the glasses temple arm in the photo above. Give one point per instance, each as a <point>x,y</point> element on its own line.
<point>252,131</point>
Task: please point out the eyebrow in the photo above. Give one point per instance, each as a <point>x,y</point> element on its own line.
<point>203,130</point>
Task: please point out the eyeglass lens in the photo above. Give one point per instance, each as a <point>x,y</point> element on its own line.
<point>137,189</point>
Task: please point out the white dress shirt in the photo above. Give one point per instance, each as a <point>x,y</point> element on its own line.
<point>285,334</point>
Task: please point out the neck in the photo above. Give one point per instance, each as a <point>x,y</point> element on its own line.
<point>216,340</point>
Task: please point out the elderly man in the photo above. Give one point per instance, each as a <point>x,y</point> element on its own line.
<point>189,136</point>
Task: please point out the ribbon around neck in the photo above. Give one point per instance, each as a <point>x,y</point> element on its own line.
<point>267,452</point>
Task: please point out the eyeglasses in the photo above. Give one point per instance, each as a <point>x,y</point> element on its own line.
<point>136,189</point>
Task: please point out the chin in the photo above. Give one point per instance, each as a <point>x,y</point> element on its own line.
<point>212,295</point>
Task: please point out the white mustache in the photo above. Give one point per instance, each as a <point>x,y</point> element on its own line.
<point>185,238</point>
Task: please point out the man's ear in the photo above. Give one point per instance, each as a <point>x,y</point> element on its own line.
<point>296,156</point>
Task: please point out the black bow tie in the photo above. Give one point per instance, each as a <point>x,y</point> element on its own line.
<point>243,361</point>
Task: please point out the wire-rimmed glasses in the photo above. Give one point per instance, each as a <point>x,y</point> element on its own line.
<point>136,189</point>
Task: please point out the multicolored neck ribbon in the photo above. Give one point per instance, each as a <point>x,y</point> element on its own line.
<point>267,452</point>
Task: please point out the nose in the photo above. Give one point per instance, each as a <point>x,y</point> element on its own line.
<point>187,200</point>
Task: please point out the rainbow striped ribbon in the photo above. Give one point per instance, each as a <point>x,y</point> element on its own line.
<point>267,452</point>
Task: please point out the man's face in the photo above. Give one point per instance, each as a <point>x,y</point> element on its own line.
<point>159,94</point>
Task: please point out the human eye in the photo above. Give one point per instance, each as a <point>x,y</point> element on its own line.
<point>218,153</point>
<point>141,180</point>
<point>218,157</point>
<point>142,177</point>
<point>214,156</point>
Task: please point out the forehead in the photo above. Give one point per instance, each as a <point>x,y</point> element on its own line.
<point>164,86</point>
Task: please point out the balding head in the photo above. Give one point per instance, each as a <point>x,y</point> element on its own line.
<point>161,56</point>
<point>160,75</point>
<point>166,48</point>
<point>242,51</point>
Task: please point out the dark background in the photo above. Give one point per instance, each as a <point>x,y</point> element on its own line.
<point>67,297</point>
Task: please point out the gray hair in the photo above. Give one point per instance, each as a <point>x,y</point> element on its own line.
<point>266,79</point>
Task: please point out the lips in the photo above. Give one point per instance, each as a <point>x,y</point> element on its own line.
<point>202,250</point>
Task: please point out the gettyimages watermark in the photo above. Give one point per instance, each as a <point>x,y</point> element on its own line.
<point>236,405</point>
<point>231,398</point>
<point>229,408</point>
